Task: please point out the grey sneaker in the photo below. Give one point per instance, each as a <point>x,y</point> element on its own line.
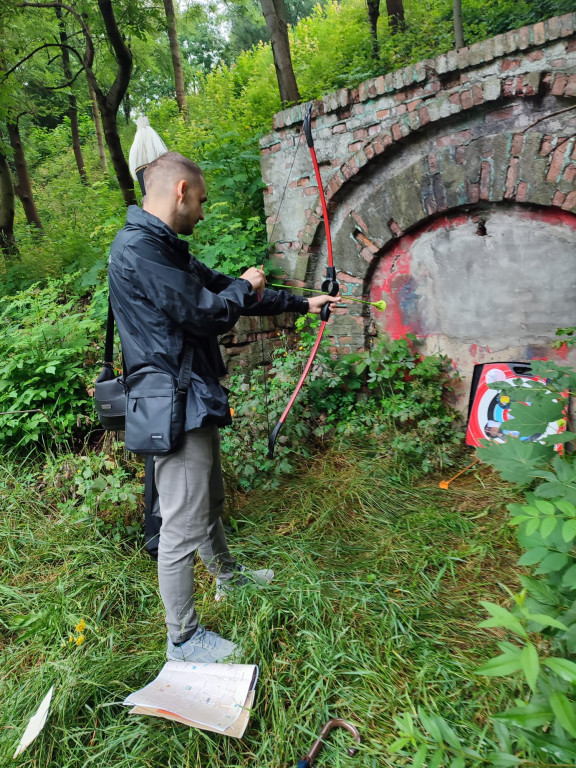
<point>203,647</point>
<point>244,576</point>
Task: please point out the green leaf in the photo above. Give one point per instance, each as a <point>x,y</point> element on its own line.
<point>420,756</point>
<point>545,620</point>
<point>436,759</point>
<point>501,666</point>
<point>502,759</point>
<point>430,724</point>
<point>565,507</point>
<point>569,578</point>
<point>569,530</point>
<point>502,618</point>
<point>533,556</point>
<point>531,716</point>
<point>560,438</point>
<point>532,526</point>
<point>397,745</point>
<point>530,664</point>
<point>564,712</point>
<point>533,419</point>
<point>458,762</point>
<point>545,507</point>
<point>562,667</point>
<point>555,561</point>
<point>515,460</point>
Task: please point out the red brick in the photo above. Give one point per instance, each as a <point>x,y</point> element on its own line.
<point>271,150</point>
<point>524,37</point>
<point>539,31</point>
<point>517,144</point>
<point>545,146</point>
<point>485,178</point>
<point>293,185</point>
<point>455,99</point>
<point>334,185</point>
<point>535,56</point>
<point>556,165</point>
<point>340,128</point>
<point>571,46</point>
<point>309,191</point>
<point>366,254</point>
<point>569,172</point>
<point>559,84</point>
<point>361,133</point>
<point>521,192</point>
<point>455,139</point>
<point>401,96</point>
<point>354,147</point>
<point>460,155</point>
<point>424,116</point>
<point>269,190</point>
<point>570,89</point>
<point>394,228</point>
<point>412,105</point>
<point>430,205</point>
<point>477,95</point>
<point>369,151</point>
<point>473,191</point>
<point>508,64</point>
<point>304,181</point>
<point>396,132</point>
<point>511,178</point>
<point>380,86</point>
<point>509,87</point>
<point>570,202</point>
<point>433,163</point>
<point>382,113</point>
<point>558,63</point>
<point>467,101</point>
<point>501,114</point>
<point>353,164</point>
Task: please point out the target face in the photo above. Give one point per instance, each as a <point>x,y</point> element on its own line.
<point>489,413</point>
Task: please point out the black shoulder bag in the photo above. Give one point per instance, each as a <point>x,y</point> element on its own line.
<point>109,394</point>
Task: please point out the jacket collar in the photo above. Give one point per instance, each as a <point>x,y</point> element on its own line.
<point>136,216</point>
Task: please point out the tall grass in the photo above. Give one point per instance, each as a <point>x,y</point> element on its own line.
<point>373,612</point>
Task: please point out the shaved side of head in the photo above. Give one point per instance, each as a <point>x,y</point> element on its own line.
<point>167,170</point>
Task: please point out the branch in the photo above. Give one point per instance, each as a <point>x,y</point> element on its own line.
<point>64,85</point>
<point>35,51</point>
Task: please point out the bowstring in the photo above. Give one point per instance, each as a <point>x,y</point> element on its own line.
<point>298,142</point>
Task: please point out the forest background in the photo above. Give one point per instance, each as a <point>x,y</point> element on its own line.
<point>76,600</point>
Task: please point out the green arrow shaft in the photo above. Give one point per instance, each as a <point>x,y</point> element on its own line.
<point>312,290</point>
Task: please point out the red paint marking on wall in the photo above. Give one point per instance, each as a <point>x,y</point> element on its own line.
<point>562,351</point>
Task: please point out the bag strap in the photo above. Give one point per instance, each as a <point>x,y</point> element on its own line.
<point>109,343</point>
<point>185,369</point>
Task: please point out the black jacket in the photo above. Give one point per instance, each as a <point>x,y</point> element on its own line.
<point>164,298</point>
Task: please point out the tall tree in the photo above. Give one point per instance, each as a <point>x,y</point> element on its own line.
<point>73,106</point>
<point>7,242</point>
<point>275,15</point>
<point>458,27</point>
<point>176,58</point>
<point>24,186</point>
<point>395,11</point>
<point>373,15</point>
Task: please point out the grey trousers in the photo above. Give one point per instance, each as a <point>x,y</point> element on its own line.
<point>191,493</point>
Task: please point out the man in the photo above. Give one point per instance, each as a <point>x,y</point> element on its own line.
<point>163,301</point>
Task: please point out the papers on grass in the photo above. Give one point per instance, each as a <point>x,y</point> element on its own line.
<point>213,697</point>
<point>36,723</point>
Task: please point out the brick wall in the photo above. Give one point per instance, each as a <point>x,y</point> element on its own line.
<point>485,126</point>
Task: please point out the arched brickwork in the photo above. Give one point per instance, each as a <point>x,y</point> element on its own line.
<point>481,129</point>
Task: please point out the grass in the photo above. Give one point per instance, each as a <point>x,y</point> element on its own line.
<point>373,612</point>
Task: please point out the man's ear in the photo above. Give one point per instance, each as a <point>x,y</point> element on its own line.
<point>181,189</point>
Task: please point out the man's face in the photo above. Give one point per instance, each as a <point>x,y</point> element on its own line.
<point>190,206</point>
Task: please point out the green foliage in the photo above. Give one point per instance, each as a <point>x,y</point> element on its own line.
<point>541,656</point>
<point>389,394</point>
<point>48,351</point>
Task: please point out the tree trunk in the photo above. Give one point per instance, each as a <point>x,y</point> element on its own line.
<point>126,106</point>
<point>98,129</point>
<point>458,28</point>
<point>275,14</point>
<point>395,10</point>
<point>24,187</point>
<point>176,58</point>
<point>110,102</point>
<point>73,108</point>
<point>7,242</point>
<point>373,14</point>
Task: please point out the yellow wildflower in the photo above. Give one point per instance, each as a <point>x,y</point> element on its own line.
<point>80,639</point>
<point>81,626</point>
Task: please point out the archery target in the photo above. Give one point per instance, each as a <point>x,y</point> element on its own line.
<point>489,414</point>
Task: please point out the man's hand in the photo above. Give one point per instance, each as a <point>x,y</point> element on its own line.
<point>256,277</point>
<point>315,303</point>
